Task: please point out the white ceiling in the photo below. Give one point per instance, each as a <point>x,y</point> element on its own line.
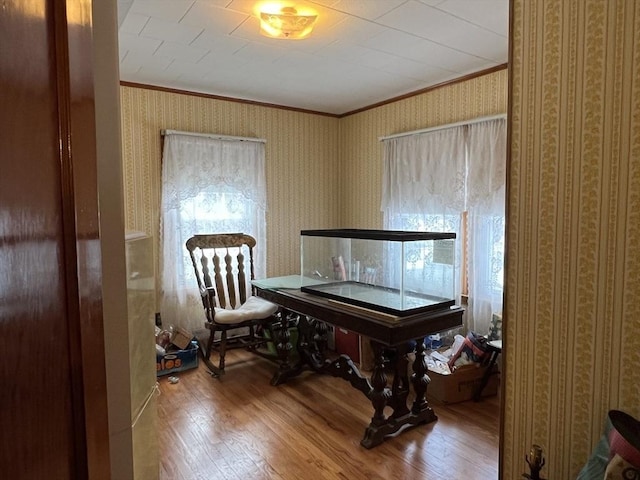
<point>360,53</point>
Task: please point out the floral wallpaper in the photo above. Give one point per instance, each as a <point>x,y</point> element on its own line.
<point>572,315</point>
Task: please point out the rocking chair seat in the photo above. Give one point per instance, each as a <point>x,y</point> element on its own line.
<point>255,308</point>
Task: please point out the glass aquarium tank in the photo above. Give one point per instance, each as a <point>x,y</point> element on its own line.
<point>396,272</point>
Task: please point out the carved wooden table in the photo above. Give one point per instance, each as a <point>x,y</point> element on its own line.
<point>311,313</point>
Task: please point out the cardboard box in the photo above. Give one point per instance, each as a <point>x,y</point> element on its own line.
<point>181,338</point>
<point>461,384</point>
<point>177,360</point>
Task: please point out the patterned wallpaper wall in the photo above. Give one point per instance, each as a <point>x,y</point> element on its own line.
<point>573,256</point>
<point>301,163</point>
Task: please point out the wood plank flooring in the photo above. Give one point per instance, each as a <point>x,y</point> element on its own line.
<point>310,428</point>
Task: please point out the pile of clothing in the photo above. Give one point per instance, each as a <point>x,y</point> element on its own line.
<point>463,351</point>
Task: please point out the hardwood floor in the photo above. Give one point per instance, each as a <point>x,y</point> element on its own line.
<point>310,428</point>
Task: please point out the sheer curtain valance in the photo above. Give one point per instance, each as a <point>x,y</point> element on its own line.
<point>425,173</point>
<point>191,164</point>
<point>209,185</point>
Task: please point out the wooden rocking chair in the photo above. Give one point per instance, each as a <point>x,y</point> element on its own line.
<point>234,317</point>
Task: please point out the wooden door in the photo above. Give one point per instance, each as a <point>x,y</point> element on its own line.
<point>53,408</point>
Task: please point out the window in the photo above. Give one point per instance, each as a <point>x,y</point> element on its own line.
<point>452,180</point>
<point>209,185</point>
<point>215,209</point>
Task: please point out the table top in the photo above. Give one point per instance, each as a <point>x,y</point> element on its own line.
<point>385,328</point>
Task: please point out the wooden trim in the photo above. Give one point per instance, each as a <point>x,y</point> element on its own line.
<point>80,224</point>
<point>223,98</point>
<point>314,112</point>
<point>61,42</point>
<point>505,366</point>
<point>428,89</point>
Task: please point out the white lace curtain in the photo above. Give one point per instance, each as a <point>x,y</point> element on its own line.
<point>431,178</point>
<point>209,185</point>
<point>487,153</point>
<point>424,189</point>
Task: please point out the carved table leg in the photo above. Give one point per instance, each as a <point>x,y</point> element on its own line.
<point>312,340</point>
<point>284,347</point>
<point>314,335</point>
<point>310,335</point>
<point>400,389</point>
<point>402,418</point>
<point>320,336</point>
<point>374,434</point>
<point>420,382</point>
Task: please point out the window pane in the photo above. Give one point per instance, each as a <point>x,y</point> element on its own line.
<point>420,270</point>
<point>211,211</point>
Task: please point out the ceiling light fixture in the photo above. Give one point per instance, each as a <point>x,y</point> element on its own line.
<point>288,22</point>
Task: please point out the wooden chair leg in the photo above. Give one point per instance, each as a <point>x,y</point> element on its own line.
<point>215,371</point>
<point>252,338</point>
<point>212,332</point>
<point>222,349</point>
